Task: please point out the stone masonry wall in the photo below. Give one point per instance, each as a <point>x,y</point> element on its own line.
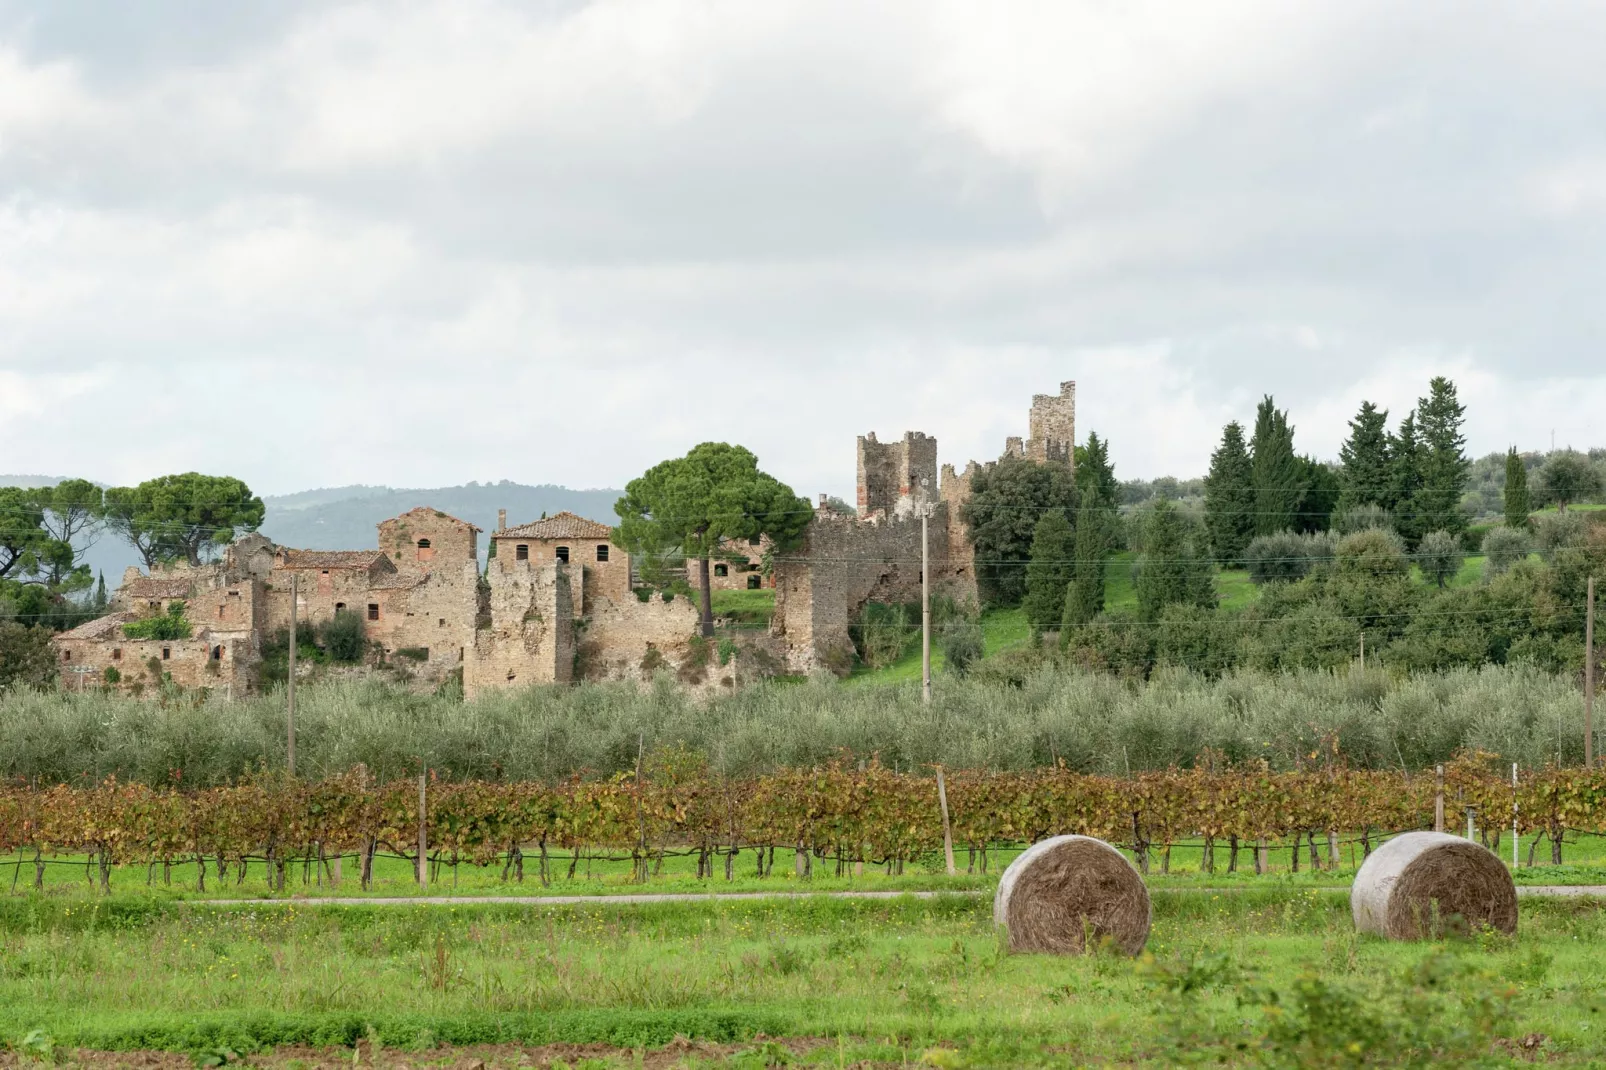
<point>209,663</point>
<point>891,474</point>
<point>531,637</point>
<point>846,562</point>
<point>1052,426</point>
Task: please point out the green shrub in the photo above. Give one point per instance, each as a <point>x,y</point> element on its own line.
<point>1440,557</point>
<point>344,637</point>
<point>961,643</point>
<point>1287,556</point>
<point>169,625</point>
<point>1363,518</point>
<point>26,656</point>
<point>111,675</point>
<point>1502,548</point>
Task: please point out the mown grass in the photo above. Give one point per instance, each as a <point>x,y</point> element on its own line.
<point>887,980</point>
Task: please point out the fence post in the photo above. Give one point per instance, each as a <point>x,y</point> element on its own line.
<point>947,829</point>
<point>1514,807</point>
<point>1438,797</point>
<point>423,834</point>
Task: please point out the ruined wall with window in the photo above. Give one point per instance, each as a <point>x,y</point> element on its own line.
<point>738,566</point>
<point>205,661</point>
<point>530,639</point>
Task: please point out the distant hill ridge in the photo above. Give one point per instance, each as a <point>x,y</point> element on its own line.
<point>343,518</point>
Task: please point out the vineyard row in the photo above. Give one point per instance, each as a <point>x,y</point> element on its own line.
<point>841,813</point>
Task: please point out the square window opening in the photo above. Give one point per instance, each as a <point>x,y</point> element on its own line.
<point>602,551</point>
<point>373,610</point>
<point>521,552</point>
<point>563,554</point>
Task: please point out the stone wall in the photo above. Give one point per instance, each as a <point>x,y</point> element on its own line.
<point>1052,426</point>
<point>531,636</point>
<point>846,562</point>
<point>206,662</point>
<point>892,476</point>
<point>451,542</point>
<point>617,635</point>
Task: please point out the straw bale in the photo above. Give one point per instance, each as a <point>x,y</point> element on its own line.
<point>1067,889</point>
<point>1425,883</point>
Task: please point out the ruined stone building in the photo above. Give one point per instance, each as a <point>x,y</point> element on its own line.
<point>846,562</point>
<point>563,607</point>
<point>558,601</point>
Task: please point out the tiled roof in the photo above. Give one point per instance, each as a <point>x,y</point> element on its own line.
<point>286,558</point>
<point>107,627</point>
<point>564,525</point>
<point>149,587</point>
<point>429,511</point>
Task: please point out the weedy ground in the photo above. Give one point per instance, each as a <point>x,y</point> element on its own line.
<point>1263,977</point>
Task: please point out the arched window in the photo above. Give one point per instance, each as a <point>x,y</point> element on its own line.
<point>339,606</point>
<point>423,544</point>
<point>217,653</point>
<point>424,551</point>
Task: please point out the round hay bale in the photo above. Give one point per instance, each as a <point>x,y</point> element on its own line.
<point>1421,883</point>
<point>1063,890</point>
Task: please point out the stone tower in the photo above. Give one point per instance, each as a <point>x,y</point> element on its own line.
<point>1053,426</point>
<point>893,476</point>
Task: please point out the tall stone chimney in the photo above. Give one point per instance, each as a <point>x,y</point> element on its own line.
<point>501,520</point>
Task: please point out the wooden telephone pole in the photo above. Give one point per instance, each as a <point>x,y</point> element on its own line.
<point>1589,676</point>
<point>290,690</point>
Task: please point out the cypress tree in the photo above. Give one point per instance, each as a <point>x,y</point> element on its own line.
<point>1097,486</point>
<point>1444,466</point>
<point>1278,475</point>
<point>1049,572</point>
<point>1364,476</point>
<point>1170,569</point>
<point>101,599</point>
<point>1230,497</point>
<point>1085,599</point>
<point>1322,489</point>
<point>1516,496</point>
<point>1405,479</point>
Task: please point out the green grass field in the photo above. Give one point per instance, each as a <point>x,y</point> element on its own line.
<point>1277,978</point>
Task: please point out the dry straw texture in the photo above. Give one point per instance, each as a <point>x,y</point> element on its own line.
<point>1425,883</point>
<point>1065,891</point>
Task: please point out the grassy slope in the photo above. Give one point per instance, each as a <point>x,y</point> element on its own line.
<point>881,980</point>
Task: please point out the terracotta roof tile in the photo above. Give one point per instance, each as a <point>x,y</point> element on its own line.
<point>564,525</point>
<point>430,511</point>
<point>107,627</point>
<point>287,558</point>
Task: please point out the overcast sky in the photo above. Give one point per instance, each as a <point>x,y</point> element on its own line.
<point>312,244</point>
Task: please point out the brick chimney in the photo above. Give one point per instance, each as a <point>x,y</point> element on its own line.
<point>501,520</point>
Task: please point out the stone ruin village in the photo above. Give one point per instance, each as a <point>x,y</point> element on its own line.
<point>558,602</point>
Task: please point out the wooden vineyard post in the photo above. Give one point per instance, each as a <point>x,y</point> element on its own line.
<point>1438,798</point>
<point>947,829</point>
<point>1514,805</point>
<point>423,834</point>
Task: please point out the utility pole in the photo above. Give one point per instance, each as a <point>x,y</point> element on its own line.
<point>925,606</point>
<point>1589,676</point>
<point>1363,651</point>
<point>290,691</point>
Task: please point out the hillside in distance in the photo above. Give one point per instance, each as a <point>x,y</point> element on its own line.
<point>343,518</point>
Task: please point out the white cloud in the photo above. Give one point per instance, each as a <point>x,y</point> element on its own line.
<point>445,241</point>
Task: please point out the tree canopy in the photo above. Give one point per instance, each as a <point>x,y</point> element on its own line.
<point>1278,472</point>
<point>1230,497</point>
<point>697,504</point>
<point>1006,501</point>
<point>182,517</point>
<point>1567,478</point>
<point>1364,460</point>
